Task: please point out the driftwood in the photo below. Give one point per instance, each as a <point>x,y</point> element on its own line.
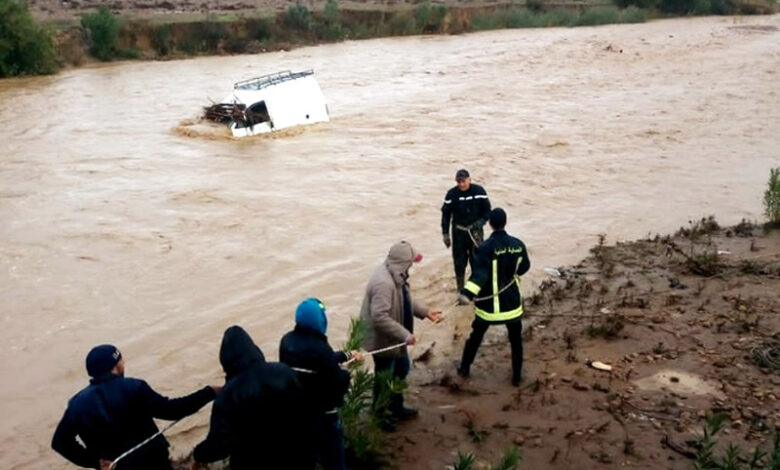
<point>224,113</point>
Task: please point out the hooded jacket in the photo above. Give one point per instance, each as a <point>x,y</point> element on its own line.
<point>308,349</point>
<point>382,310</point>
<point>258,419</point>
<point>114,414</point>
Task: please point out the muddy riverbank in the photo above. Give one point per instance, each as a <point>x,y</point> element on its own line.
<point>689,324</point>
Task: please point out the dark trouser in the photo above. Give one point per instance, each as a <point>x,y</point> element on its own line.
<point>154,456</point>
<point>463,250</point>
<point>399,368</point>
<point>330,442</point>
<point>478,329</point>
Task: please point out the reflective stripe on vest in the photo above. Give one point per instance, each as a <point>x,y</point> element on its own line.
<point>500,316</point>
<point>472,287</point>
<point>496,303</point>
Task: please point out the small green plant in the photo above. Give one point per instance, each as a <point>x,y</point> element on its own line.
<point>772,197</point>
<point>705,455</point>
<point>734,458</point>
<point>102,30</point>
<point>510,461</point>
<point>465,461</point>
<point>774,459</point>
<point>25,47</point>
<point>362,435</point>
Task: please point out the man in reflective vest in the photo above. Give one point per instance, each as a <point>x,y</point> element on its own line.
<point>494,287</point>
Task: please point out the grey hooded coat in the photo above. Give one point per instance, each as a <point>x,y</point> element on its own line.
<point>383,303</point>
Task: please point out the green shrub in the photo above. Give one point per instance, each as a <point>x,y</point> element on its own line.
<point>402,23</point>
<point>536,6</point>
<point>637,3</point>
<point>772,196</point>
<point>633,14</point>
<point>678,7</point>
<point>521,18</point>
<point>556,17</point>
<point>330,28</point>
<point>362,436</point>
<point>298,17</point>
<point>487,21</point>
<point>596,16</point>
<point>161,39</point>
<point>102,30</point>
<point>25,47</point>
<point>429,18</point>
<point>258,29</point>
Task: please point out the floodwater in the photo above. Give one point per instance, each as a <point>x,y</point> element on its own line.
<point>117,227</point>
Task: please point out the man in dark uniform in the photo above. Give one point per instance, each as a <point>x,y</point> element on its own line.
<point>494,287</point>
<point>468,206</point>
<point>114,414</point>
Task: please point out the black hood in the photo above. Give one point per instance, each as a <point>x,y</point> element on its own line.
<point>238,352</point>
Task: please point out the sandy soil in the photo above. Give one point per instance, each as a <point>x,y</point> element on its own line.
<point>681,345</point>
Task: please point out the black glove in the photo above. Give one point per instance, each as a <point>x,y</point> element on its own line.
<point>476,226</point>
<point>446,239</point>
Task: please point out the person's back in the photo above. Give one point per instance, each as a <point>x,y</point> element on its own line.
<point>258,420</point>
<point>326,383</point>
<point>265,412</point>
<point>111,417</point>
<point>114,414</point>
<point>504,257</point>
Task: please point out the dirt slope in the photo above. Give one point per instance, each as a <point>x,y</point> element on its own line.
<point>681,345</point>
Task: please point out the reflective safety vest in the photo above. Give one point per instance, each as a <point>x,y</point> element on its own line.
<point>495,280</point>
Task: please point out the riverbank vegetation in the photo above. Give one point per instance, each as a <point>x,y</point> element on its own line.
<point>26,48</point>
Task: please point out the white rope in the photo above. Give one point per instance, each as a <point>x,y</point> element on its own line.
<point>113,464</point>
<point>377,351</point>
<point>471,235</point>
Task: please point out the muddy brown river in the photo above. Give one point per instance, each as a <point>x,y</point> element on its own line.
<point>122,224</point>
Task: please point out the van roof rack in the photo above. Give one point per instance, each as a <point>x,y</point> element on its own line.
<point>264,81</point>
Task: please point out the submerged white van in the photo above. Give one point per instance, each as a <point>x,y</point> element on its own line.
<point>273,102</point>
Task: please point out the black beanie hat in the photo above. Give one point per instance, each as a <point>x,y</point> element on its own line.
<point>101,359</point>
<point>497,218</point>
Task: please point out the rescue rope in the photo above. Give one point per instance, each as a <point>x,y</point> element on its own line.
<point>159,433</point>
<point>471,235</point>
<point>377,351</point>
<point>513,281</point>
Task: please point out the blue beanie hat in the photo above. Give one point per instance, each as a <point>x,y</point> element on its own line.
<point>311,314</point>
<point>101,359</point>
